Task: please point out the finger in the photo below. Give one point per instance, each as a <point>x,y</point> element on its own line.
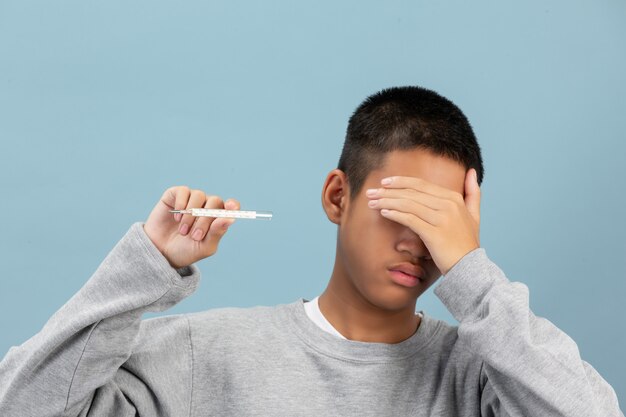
<point>410,207</point>
<point>419,184</point>
<point>197,199</point>
<point>224,223</point>
<point>232,204</point>
<point>169,196</point>
<point>422,228</point>
<point>217,229</point>
<point>428,200</point>
<point>472,194</point>
<point>202,224</point>
<point>176,198</point>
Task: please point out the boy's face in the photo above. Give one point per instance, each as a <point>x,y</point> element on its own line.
<point>368,244</point>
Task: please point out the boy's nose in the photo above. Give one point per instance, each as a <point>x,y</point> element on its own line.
<point>410,243</point>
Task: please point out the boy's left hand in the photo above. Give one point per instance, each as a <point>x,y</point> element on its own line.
<point>447,223</point>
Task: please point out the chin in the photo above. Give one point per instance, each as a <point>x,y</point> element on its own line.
<point>395,298</point>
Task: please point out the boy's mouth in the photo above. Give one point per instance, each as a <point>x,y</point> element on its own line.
<point>408,268</point>
<point>407,274</point>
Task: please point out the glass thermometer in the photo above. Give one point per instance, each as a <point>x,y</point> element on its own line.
<point>234,214</point>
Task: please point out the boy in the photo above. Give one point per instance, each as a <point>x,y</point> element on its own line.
<point>406,200</point>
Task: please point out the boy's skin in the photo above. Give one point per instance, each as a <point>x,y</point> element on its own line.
<point>430,219</point>
<point>434,213</point>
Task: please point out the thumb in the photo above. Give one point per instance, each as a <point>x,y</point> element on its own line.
<point>220,226</point>
<point>472,194</point>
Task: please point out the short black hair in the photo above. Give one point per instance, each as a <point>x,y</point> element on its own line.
<point>404,118</point>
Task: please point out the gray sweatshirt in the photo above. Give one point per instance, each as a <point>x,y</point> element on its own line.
<point>96,357</point>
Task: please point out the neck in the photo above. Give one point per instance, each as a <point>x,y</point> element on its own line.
<point>358,319</point>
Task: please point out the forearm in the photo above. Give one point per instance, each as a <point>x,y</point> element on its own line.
<point>84,343</point>
<point>531,364</point>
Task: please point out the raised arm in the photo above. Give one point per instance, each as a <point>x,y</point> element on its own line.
<point>95,355</point>
<point>531,368</point>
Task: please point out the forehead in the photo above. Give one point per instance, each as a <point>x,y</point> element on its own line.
<point>421,163</point>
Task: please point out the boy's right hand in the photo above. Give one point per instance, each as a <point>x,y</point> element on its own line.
<point>179,246</point>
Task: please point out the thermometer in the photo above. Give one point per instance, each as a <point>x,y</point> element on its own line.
<point>233,214</point>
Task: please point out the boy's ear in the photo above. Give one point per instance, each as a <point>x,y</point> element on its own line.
<point>335,195</point>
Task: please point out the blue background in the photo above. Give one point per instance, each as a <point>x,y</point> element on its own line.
<point>104,105</point>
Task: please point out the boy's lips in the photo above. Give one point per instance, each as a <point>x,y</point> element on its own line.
<point>409,269</point>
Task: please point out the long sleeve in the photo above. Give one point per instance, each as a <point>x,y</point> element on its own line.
<point>530,367</point>
<point>74,365</point>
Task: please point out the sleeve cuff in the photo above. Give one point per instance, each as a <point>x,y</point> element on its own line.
<point>185,277</point>
<point>466,284</point>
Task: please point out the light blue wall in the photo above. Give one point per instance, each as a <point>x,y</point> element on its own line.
<point>104,105</point>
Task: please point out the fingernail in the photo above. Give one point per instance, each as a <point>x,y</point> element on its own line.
<point>184,228</point>
<point>371,192</point>
<point>177,216</point>
<point>197,234</point>
<point>386,181</point>
<point>372,203</point>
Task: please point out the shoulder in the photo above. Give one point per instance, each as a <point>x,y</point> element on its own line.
<point>164,329</point>
<point>234,315</point>
<point>177,332</point>
<point>447,344</point>
<point>249,321</point>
